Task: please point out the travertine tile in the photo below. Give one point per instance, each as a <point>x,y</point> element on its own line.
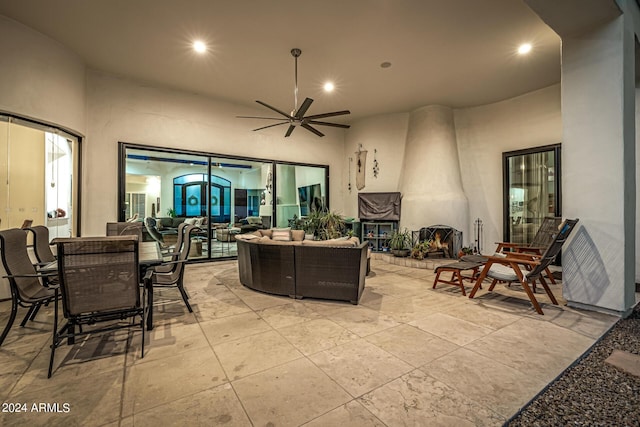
<point>418,399</point>
<point>364,321</point>
<point>234,327</point>
<point>290,394</point>
<point>411,344</point>
<point>317,335</point>
<point>485,380</point>
<point>287,314</point>
<point>451,328</point>
<point>215,406</point>
<point>91,401</point>
<point>166,340</point>
<point>533,345</point>
<point>89,356</point>
<point>162,381</point>
<point>255,353</point>
<point>359,366</point>
<point>351,414</point>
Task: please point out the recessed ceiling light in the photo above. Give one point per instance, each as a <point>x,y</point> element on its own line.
<point>199,46</point>
<point>385,64</point>
<point>524,48</point>
<point>328,87</point>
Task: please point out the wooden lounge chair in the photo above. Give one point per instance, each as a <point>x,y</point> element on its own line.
<point>543,238</point>
<point>525,268</point>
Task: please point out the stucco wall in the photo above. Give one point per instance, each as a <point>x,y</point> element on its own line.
<point>40,78</point>
<point>485,132</point>
<point>120,109</point>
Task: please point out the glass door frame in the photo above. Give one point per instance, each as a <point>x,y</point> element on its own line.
<point>506,173</point>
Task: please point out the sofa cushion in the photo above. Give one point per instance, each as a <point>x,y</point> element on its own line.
<point>265,233</point>
<point>247,236</point>
<point>331,242</point>
<point>175,222</point>
<point>297,235</point>
<point>281,234</point>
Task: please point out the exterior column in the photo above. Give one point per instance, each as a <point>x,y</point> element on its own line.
<point>598,165</point>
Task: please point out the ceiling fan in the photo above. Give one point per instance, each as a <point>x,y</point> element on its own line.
<point>297,116</point>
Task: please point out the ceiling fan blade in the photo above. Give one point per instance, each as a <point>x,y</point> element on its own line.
<point>270,126</point>
<point>309,128</point>
<point>291,128</point>
<point>303,108</point>
<point>254,117</point>
<point>274,109</point>
<point>338,125</point>
<point>335,113</point>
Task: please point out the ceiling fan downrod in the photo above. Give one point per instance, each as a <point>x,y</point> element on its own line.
<point>295,52</point>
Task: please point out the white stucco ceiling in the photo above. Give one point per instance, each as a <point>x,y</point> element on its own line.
<point>451,52</point>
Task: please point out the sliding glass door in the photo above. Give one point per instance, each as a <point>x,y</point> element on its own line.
<point>224,196</point>
<point>531,191</point>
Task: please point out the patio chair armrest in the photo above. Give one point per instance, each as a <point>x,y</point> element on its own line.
<point>45,274</point>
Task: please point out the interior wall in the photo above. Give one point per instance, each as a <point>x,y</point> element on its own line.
<point>120,109</point>
<point>40,78</point>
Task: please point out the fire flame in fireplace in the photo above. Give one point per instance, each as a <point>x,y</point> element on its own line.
<point>437,243</point>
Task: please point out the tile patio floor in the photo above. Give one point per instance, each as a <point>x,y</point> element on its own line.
<point>407,355</point>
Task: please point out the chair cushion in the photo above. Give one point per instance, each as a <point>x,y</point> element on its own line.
<point>502,272</point>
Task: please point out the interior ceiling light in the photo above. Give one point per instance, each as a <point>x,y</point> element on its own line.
<point>524,48</point>
<point>385,64</point>
<point>199,46</point>
<point>297,116</point>
<point>328,87</point>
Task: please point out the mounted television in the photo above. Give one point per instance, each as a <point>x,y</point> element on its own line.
<point>379,206</point>
<point>310,197</point>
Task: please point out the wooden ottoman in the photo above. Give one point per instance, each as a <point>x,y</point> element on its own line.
<point>456,269</point>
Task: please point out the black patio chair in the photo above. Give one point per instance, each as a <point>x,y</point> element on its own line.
<point>125,229</point>
<point>41,245</point>
<point>99,282</point>
<point>26,284</point>
<point>170,274</point>
<point>525,268</point>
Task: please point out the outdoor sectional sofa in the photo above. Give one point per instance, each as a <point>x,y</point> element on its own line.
<point>331,269</point>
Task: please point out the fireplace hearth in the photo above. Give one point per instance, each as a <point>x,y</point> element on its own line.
<point>445,241</point>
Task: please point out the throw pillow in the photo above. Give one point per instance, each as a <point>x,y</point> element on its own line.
<point>190,221</point>
<point>281,234</point>
<point>199,222</point>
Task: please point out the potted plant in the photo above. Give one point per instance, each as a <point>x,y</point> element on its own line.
<point>466,250</point>
<point>332,225</point>
<point>171,212</point>
<point>421,249</point>
<point>399,242</point>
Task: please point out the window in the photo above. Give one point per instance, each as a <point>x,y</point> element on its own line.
<point>39,167</point>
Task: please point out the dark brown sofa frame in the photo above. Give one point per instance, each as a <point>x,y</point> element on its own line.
<point>327,272</point>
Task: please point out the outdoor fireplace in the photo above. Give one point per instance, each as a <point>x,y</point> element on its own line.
<point>446,241</point>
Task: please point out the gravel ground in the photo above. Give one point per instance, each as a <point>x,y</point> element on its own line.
<point>591,392</point>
